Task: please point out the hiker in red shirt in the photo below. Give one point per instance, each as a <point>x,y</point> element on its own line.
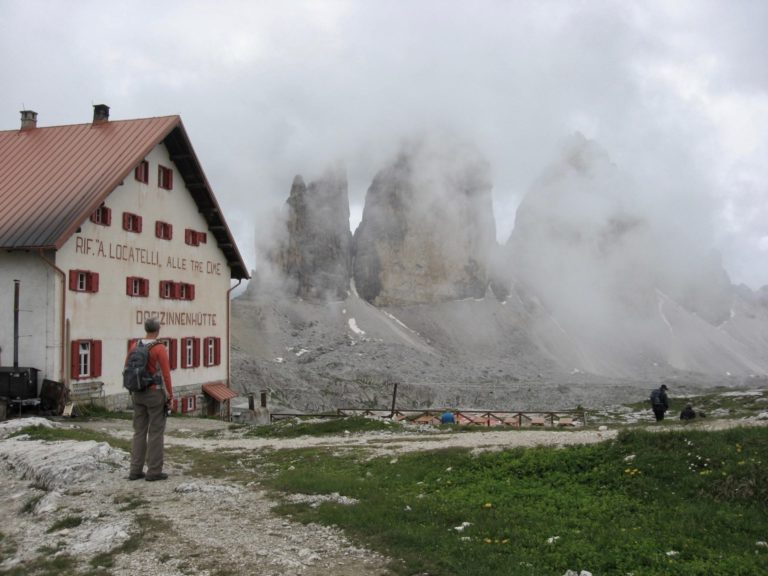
<point>150,409</point>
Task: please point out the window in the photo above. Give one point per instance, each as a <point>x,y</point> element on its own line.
<point>135,286</point>
<point>163,230</point>
<point>189,404</point>
<point>190,352</point>
<point>186,291</point>
<point>131,222</point>
<point>211,351</point>
<point>86,359</point>
<point>170,290</point>
<point>165,177</point>
<point>83,281</point>
<point>195,238</point>
<point>167,290</point>
<point>171,344</point>
<point>142,172</point>
<point>102,216</point>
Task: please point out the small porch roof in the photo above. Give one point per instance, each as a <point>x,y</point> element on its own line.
<point>219,392</point>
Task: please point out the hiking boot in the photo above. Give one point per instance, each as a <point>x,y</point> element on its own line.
<point>156,477</point>
<point>135,475</point>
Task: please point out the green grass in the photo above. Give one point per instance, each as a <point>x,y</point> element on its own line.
<point>66,522</point>
<point>686,503</point>
<point>63,565</point>
<point>79,434</point>
<point>149,527</point>
<point>86,411</point>
<point>31,503</point>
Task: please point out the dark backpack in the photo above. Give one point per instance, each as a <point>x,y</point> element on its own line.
<point>136,376</point>
<point>656,398</point>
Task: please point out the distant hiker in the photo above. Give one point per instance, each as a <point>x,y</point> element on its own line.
<point>149,409</point>
<point>659,402</point>
<point>448,418</point>
<point>688,413</point>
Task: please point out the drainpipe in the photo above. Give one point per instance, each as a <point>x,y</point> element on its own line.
<point>62,361</point>
<point>229,333</point>
<point>16,290</point>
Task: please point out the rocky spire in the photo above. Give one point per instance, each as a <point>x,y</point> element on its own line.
<point>315,258</point>
<point>427,228</point>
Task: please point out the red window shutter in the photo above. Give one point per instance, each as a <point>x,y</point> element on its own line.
<point>73,279</point>
<point>173,353</point>
<point>196,351</point>
<point>189,236</point>
<point>107,216</point>
<point>93,282</point>
<point>217,351</point>
<point>170,231</point>
<point>202,238</point>
<point>129,285</point>
<point>194,402</point>
<point>190,291</point>
<point>126,220</point>
<point>95,358</point>
<point>137,224</point>
<point>205,351</point>
<point>144,287</point>
<point>142,172</point>
<point>176,290</point>
<point>158,229</point>
<point>75,359</point>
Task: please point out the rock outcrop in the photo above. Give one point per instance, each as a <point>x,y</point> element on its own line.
<point>315,256</point>
<point>428,229</point>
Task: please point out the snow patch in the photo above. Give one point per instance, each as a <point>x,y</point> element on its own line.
<point>661,297</point>
<point>353,326</point>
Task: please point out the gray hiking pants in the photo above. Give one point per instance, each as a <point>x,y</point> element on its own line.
<point>148,431</point>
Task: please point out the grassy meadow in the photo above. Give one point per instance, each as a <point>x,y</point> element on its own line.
<point>673,502</point>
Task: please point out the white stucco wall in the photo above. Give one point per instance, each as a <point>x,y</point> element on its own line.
<point>39,340</point>
<point>110,315</point>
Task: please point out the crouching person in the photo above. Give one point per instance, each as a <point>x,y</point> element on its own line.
<point>688,413</point>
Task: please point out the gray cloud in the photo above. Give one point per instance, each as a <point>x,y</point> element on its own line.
<point>676,93</point>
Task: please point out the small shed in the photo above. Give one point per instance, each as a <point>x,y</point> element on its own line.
<point>218,397</point>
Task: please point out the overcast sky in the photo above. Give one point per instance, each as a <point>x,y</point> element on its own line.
<point>675,92</point>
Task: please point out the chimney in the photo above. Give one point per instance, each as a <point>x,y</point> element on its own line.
<point>100,113</point>
<point>28,119</point>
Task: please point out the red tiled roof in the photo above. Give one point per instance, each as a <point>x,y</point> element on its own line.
<point>219,392</point>
<point>53,178</point>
